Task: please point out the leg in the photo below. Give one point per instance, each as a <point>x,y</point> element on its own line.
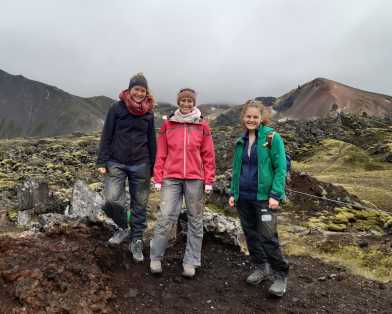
<point>139,188</point>
<point>170,206</point>
<point>194,200</point>
<point>267,226</point>
<point>269,236</point>
<point>114,192</point>
<point>248,218</point>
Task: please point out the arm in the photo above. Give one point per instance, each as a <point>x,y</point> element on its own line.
<point>278,160</point>
<point>152,142</point>
<point>161,154</point>
<point>208,156</point>
<point>106,138</point>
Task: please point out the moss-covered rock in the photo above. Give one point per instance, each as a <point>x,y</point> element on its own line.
<point>7,184</point>
<point>316,223</point>
<point>343,218</point>
<point>12,214</point>
<point>338,227</point>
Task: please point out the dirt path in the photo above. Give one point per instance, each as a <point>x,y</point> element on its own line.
<point>71,270</point>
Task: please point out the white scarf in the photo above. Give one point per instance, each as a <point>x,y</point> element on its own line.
<point>192,117</point>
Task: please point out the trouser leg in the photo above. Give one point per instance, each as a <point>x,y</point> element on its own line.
<point>194,200</point>
<point>170,207</point>
<point>267,226</point>
<point>114,192</point>
<point>248,219</point>
<point>139,188</point>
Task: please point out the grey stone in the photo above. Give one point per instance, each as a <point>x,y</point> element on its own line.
<point>32,193</point>
<point>49,220</point>
<point>24,218</point>
<point>225,228</point>
<point>85,202</point>
<point>132,293</point>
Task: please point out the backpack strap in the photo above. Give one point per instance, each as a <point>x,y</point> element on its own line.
<point>270,137</point>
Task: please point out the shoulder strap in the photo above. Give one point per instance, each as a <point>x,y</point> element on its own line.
<point>270,137</point>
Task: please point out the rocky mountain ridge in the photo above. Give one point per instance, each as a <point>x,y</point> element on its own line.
<point>321,98</point>
<point>30,108</point>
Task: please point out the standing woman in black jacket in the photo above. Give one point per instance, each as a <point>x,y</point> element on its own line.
<point>127,151</point>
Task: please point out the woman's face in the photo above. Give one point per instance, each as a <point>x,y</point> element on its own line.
<point>252,118</point>
<point>138,93</point>
<point>186,105</point>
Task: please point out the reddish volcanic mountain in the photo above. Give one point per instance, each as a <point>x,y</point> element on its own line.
<point>322,97</point>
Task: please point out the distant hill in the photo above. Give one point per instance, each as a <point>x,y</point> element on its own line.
<point>321,98</point>
<point>31,108</point>
<point>212,111</point>
<point>268,101</point>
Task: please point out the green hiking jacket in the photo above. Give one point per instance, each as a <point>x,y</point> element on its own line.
<point>271,166</point>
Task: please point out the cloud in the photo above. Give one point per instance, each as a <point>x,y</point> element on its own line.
<point>228,50</point>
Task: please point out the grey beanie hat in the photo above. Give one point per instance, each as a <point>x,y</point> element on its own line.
<point>139,80</point>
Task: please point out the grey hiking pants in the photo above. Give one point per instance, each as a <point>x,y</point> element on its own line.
<point>172,193</point>
<point>139,187</point>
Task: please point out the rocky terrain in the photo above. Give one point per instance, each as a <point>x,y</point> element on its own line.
<point>72,270</point>
<point>338,239</point>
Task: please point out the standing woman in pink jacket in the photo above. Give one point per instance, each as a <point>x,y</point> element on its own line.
<point>184,168</point>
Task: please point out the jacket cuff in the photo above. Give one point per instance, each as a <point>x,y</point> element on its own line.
<point>275,196</point>
<point>156,181</point>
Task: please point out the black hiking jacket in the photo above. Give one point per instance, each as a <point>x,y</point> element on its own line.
<point>127,138</point>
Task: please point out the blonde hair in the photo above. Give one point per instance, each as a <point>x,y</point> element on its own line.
<point>264,111</point>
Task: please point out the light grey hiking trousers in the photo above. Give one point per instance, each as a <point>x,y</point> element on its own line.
<point>172,193</point>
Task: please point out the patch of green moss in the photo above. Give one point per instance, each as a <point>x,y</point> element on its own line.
<point>344,218</point>
<point>372,263</point>
<point>7,162</point>
<point>341,163</point>
<point>316,223</point>
<point>96,186</point>
<point>12,214</point>
<point>7,184</point>
<point>337,227</point>
<point>220,210</point>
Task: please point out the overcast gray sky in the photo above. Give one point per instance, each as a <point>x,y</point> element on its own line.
<point>229,51</point>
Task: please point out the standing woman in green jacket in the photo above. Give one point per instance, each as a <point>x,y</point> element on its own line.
<point>257,187</point>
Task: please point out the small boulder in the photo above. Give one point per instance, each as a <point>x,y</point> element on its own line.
<point>85,202</point>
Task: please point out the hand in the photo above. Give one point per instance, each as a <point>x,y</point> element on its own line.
<point>208,188</point>
<point>102,170</point>
<point>231,201</point>
<point>273,203</point>
<point>157,187</point>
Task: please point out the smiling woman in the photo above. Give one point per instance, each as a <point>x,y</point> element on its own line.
<point>257,187</point>
<point>127,151</point>
<point>184,168</point>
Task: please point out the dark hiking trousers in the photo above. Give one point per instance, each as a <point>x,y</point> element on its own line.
<point>115,198</point>
<point>260,228</point>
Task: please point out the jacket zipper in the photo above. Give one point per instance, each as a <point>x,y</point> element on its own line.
<point>184,151</point>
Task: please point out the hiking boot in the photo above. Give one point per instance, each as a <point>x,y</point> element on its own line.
<point>259,274</point>
<point>136,248</point>
<point>189,270</point>
<point>279,286</point>
<point>119,236</point>
<point>156,267</point>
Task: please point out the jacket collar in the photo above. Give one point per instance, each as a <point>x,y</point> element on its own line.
<point>262,131</point>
